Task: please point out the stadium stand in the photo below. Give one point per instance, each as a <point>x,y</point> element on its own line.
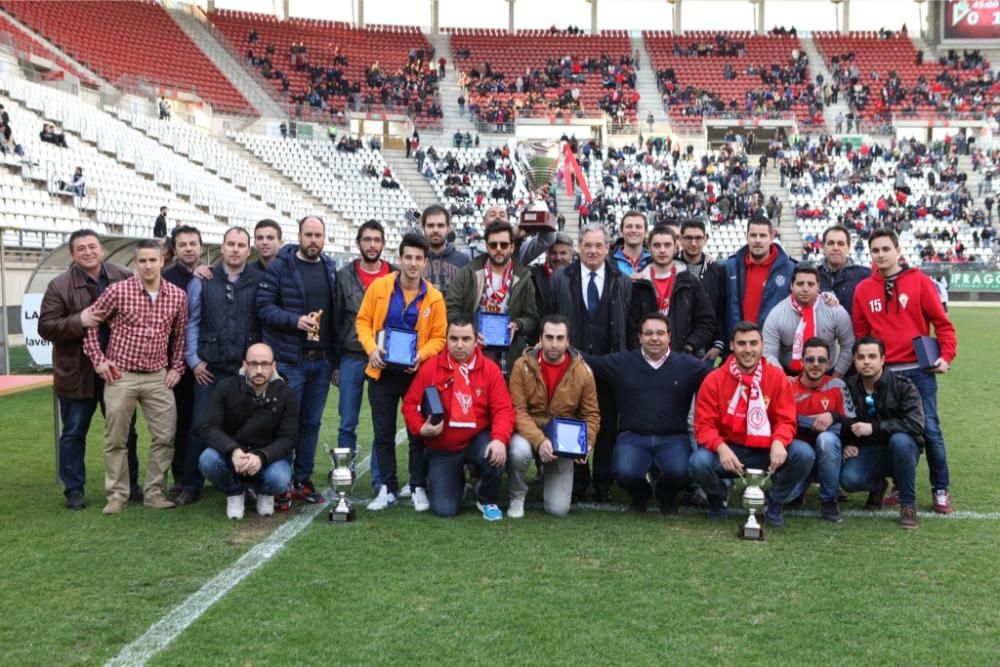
<point>28,46</point>
<point>332,67</point>
<point>539,72</point>
<point>734,75</point>
<point>130,41</point>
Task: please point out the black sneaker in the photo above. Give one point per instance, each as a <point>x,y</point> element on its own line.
<point>831,512</point>
<point>74,501</point>
<point>305,490</point>
<point>774,515</point>
<point>282,501</point>
<point>186,497</point>
<point>135,495</point>
<point>877,498</point>
<point>717,510</point>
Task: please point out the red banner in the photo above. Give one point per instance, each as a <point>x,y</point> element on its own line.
<point>971,19</point>
<point>572,170</point>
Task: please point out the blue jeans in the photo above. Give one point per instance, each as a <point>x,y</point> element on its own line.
<point>76,415</point>
<point>446,476</point>
<point>937,458</point>
<point>384,396</point>
<point>633,455</point>
<point>827,468</point>
<point>874,463</point>
<point>310,380</point>
<point>352,384</point>
<point>269,480</point>
<point>193,479</point>
<point>708,473</point>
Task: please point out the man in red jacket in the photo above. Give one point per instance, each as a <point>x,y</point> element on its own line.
<point>476,428</point>
<point>744,417</point>
<point>897,304</point>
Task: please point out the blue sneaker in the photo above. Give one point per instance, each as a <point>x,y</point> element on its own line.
<point>490,512</point>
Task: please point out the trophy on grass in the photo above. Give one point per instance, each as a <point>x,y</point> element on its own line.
<point>753,500</point>
<point>342,481</point>
<point>316,316</point>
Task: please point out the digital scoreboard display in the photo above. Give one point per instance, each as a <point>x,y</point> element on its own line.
<point>971,19</point>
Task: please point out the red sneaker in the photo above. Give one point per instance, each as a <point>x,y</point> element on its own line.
<point>305,490</point>
<point>892,500</point>
<point>942,502</point>
<point>282,501</point>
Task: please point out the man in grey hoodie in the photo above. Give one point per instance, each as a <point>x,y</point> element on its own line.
<point>445,260</point>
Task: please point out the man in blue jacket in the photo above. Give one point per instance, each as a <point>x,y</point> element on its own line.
<point>295,304</point>
<point>758,276</point>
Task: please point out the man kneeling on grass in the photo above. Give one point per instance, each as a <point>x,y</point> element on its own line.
<point>250,428</point>
<point>889,431</point>
<point>475,428</point>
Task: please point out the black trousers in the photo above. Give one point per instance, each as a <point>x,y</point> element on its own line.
<point>184,398</point>
<point>604,448</point>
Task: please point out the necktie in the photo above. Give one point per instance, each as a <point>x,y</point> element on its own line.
<point>593,297</point>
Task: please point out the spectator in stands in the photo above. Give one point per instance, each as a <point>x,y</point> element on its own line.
<point>160,225</point>
<point>222,325</point>
<point>50,135</point>
<point>745,418</point>
<point>630,252</point>
<point>65,316</point>
<point>445,259</point>
<point>4,116</point>
<point>888,433</point>
<point>143,361</point>
<point>804,316</point>
<point>164,108</point>
<point>353,281</point>
<point>497,283</point>
<point>283,129</point>
<point>758,276</point>
<point>247,447</point>
<point>267,243</point>
<point>896,305</point>
<point>825,411</point>
<point>593,294</point>
<point>666,287</point>
<point>837,271</point>
<point>655,389</point>
<point>295,304</point>
<point>477,426</point>
<point>77,184</point>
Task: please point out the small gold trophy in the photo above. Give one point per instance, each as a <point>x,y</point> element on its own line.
<point>316,316</point>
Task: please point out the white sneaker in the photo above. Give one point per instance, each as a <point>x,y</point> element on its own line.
<point>265,504</point>
<point>405,492</point>
<point>234,506</point>
<point>420,501</point>
<point>516,508</point>
<point>382,500</point>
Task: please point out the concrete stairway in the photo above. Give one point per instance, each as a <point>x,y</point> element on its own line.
<point>405,171</point>
<point>202,34</point>
<point>791,239</point>
<point>448,89</point>
<point>649,94</point>
<point>565,204</point>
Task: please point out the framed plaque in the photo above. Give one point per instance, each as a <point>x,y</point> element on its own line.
<point>400,347</point>
<point>568,437</point>
<point>431,406</point>
<point>927,351</point>
<point>495,328</point>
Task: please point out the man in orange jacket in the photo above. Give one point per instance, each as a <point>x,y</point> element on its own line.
<point>401,300</point>
<point>476,426</point>
<point>744,417</point>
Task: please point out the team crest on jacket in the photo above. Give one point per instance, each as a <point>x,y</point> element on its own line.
<point>427,311</point>
<point>904,299</point>
<point>465,400</point>
<point>779,281</point>
<point>826,403</point>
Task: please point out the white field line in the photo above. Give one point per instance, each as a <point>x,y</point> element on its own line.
<point>859,514</point>
<point>160,634</point>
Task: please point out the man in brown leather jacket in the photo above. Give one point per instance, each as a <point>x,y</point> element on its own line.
<point>64,319</point>
<point>549,380</point>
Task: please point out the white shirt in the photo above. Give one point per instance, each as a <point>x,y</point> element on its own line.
<point>585,281</point>
<point>655,364</point>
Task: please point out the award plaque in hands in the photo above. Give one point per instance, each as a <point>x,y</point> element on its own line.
<point>400,347</point>
<point>495,329</point>
<point>431,406</point>
<point>568,437</point>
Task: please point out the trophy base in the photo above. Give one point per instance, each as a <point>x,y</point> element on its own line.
<point>752,533</point>
<point>341,517</point>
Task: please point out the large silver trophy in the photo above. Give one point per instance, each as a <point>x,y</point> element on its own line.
<point>342,481</point>
<point>753,501</point>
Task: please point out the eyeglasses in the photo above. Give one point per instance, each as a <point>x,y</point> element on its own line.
<point>870,405</point>
<point>259,364</point>
<point>498,245</point>
<point>658,332</point>
<point>815,360</point>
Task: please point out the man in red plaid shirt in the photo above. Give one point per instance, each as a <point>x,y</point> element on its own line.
<point>147,316</point>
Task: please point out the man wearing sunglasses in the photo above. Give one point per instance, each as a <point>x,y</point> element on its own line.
<point>222,324</point>
<point>888,432</point>
<point>250,426</point>
<point>497,283</point>
<point>824,411</point>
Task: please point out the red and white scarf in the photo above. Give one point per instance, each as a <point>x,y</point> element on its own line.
<point>805,330</point>
<point>747,411</point>
<point>461,414</point>
<point>493,299</point>
<point>667,284</point>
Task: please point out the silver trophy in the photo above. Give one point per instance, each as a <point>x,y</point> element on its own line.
<point>753,500</point>
<point>342,480</point>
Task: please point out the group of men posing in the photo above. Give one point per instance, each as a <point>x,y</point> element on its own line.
<point>232,365</point>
